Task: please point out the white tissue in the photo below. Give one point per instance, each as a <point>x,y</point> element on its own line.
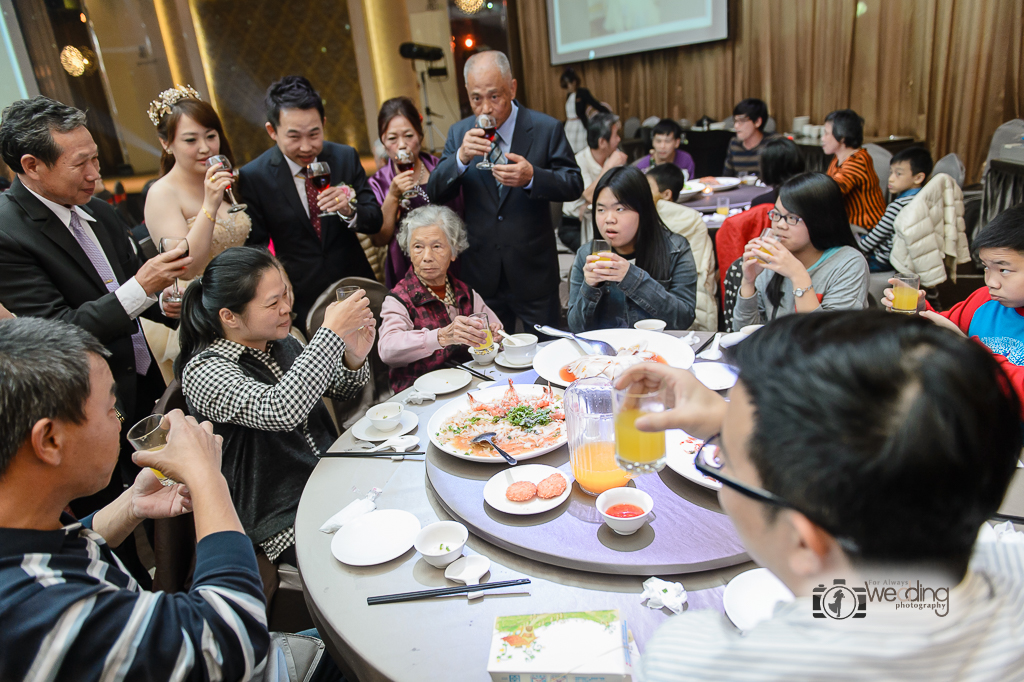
<point>1003,532</point>
<point>417,396</point>
<point>660,593</point>
<point>352,510</point>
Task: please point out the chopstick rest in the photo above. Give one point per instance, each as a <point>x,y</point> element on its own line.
<point>442,592</point>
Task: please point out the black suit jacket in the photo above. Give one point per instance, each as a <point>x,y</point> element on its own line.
<point>312,264</point>
<point>45,273</point>
<point>511,228</point>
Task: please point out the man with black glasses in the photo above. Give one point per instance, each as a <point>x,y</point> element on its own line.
<point>859,455</point>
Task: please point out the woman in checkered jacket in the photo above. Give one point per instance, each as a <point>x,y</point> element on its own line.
<point>240,369</point>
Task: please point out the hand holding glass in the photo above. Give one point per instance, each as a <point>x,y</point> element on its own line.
<point>489,341</point>
<point>319,174</point>
<point>766,234</point>
<point>490,128</point>
<point>226,165</point>
<point>904,292</point>
<point>150,435</point>
<point>601,246</point>
<point>638,451</point>
<point>405,162</point>
<point>166,245</point>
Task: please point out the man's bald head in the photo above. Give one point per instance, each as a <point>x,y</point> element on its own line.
<point>491,59</point>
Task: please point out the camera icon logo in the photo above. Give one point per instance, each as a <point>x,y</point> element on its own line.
<point>839,601</point>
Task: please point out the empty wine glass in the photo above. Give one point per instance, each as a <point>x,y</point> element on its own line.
<point>490,126</point>
<point>170,244</point>
<point>319,174</point>
<point>226,165</point>
<point>405,162</point>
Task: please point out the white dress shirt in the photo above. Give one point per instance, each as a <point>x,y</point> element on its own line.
<point>504,142</point>
<point>299,176</point>
<point>591,171</point>
<point>132,296</point>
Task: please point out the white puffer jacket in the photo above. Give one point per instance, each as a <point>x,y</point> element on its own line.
<point>930,236</point>
<point>687,222</point>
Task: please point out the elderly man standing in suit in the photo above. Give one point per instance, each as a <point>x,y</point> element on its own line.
<point>512,259</point>
<point>316,250</point>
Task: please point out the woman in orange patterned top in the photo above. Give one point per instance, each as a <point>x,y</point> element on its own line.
<point>852,168</point>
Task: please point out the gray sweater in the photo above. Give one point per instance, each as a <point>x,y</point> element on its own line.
<point>841,280</point>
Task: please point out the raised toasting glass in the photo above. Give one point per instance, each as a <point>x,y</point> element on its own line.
<point>319,173</point>
<point>638,451</point>
<point>226,165</point>
<point>150,435</point>
<point>904,293</point>
<point>170,244</point>
<point>406,162</point>
<point>490,127</point>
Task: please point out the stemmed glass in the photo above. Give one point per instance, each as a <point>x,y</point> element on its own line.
<point>319,173</point>
<point>490,126</point>
<point>405,162</point>
<point>226,165</point>
<point>170,244</point>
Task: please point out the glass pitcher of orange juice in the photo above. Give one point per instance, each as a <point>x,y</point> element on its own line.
<point>591,428</point>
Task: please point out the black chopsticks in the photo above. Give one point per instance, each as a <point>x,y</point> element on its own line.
<point>478,375</point>
<point>442,592</point>
<point>364,453</point>
<point>705,344</point>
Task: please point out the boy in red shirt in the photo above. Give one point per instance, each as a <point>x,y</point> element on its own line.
<point>994,314</point>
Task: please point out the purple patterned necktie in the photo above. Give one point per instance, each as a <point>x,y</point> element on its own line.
<point>96,257</point>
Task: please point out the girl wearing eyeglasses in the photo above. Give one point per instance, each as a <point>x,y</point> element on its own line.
<point>809,262</point>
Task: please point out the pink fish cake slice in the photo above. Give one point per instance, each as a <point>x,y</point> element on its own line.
<point>521,491</point>
<point>552,486</point>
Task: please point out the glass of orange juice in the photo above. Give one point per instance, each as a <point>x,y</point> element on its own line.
<point>489,341</point>
<point>591,429</point>
<point>601,246</point>
<point>766,234</point>
<point>904,290</point>
<point>150,435</point>
<point>638,451</point>
<point>722,205</point>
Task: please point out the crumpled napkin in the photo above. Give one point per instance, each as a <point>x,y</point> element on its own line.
<point>660,593</point>
<point>1002,532</point>
<point>417,396</point>
<point>352,510</point>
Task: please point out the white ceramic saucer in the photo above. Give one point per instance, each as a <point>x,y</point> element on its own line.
<point>717,376</point>
<point>376,537</point>
<point>365,430</point>
<point>494,491</point>
<point>504,361</point>
<point>443,381</point>
<point>750,597</point>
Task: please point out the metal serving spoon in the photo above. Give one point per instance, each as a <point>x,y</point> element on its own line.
<point>489,438</point>
<point>589,346</point>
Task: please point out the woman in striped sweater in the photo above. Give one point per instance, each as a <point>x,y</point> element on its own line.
<point>852,168</point>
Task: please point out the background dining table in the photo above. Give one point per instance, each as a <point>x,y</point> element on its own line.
<point>448,638</point>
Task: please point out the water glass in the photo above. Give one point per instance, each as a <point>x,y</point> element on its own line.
<point>150,435</point>
<point>486,329</point>
<point>591,429</point>
<point>345,292</point>
<point>722,205</point>
<point>904,290</point>
<point>766,235</point>
<point>638,451</point>
<point>601,246</point>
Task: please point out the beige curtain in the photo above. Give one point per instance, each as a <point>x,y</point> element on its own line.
<point>945,71</point>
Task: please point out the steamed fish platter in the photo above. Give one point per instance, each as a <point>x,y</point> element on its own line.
<point>522,424</point>
<point>607,365</point>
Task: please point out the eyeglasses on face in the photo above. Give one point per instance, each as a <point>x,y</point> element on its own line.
<point>790,218</point>
<point>708,462</point>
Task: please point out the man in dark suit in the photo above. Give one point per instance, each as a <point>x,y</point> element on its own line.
<point>512,258</point>
<point>66,255</point>
<point>316,250</point>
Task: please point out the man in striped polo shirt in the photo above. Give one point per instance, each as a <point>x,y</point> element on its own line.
<point>68,608</point>
<point>859,455</point>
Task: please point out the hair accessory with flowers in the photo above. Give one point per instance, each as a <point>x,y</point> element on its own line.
<point>168,98</point>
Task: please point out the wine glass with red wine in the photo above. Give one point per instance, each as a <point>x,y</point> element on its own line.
<point>319,174</point>
<point>405,162</point>
<point>490,126</point>
<point>226,165</point>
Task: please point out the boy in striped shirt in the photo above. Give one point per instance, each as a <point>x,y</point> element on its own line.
<point>908,171</point>
<point>859,455</point>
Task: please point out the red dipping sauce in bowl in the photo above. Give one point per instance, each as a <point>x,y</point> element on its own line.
<point>624,511</point>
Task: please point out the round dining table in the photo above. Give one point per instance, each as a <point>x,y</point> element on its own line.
<point>448,638</point>
<point>740,197</point>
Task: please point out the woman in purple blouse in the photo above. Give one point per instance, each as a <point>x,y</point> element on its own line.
<point>400,127</point>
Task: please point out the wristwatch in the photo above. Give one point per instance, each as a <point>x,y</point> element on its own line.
<point>800,292</point>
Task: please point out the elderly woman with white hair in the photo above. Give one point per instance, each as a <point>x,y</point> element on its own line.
<point>425,321</point>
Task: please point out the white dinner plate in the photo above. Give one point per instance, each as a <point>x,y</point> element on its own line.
<point>487,395</point>
<point>750,597</point>
<point>365,430</point>
<point>376,537</point>
<point>550,359</point>
<point>680,449</point>
<point>494,491</point>
<point>717,376</point>
<point>504,361</point>
<point>443,381</point>
<point>725,184</point>
<point>690,190</point>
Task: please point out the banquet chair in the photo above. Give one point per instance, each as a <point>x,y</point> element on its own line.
<point>1011,131</point>
<point>631,127</point>
<point>951,165</point>
<point>881,158</point>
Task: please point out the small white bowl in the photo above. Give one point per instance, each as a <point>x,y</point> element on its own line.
<point>525,351</point>
<point>650,325</point>
<point>484,357</point>
<point>615,496</point>
<point>386,416</point>
<point>441,543</point>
